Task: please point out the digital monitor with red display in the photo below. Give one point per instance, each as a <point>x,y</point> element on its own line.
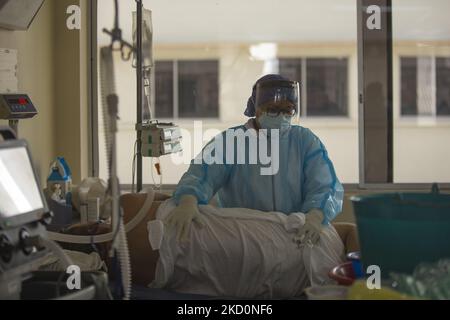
<point>16,106</point>
<point>20,101</point>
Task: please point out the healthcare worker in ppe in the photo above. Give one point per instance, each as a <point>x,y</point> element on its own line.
<point>304,182</point>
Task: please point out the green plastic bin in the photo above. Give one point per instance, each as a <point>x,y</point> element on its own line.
<point>398,231</point>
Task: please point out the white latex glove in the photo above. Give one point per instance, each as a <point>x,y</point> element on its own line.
<point>310,232</point>
<point>183,215</point>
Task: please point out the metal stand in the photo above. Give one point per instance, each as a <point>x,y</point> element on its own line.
<point>140,94</point>
<point>14,125</point>
<point>116,35</point>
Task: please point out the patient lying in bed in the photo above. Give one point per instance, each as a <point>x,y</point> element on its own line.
<point>248,254</point>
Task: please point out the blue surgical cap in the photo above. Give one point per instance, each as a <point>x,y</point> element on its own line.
<point>251,108</point>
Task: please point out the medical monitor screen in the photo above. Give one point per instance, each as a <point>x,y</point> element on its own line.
<point>19,192</point>
<point>18,14</point>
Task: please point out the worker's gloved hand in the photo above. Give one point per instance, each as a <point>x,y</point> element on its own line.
<point>311,231</point>
<point>183,215</point>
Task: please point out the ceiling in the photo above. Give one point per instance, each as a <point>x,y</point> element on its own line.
<point>255,21</point>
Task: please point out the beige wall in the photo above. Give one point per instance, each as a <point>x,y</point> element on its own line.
<point>53,70</point>
<point>71,90</point>
<point>84,91</point>
<point>35,73</point>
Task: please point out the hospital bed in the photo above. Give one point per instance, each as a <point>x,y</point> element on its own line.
<point>137,239</point>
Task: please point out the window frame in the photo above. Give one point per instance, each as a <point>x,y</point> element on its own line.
<point>373,40</point>
<point>304,86</point>
<point>362,185</point>
<point>413,117</point>
<point>93,121</point>
<point>176,92</point>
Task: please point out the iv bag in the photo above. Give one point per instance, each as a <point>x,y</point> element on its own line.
<point>147,39</point>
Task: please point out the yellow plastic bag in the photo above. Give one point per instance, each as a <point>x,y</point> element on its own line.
<point>360,291</point>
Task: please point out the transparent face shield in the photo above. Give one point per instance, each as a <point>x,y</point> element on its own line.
<point>278,97</point>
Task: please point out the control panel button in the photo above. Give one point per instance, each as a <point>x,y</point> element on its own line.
<point>26,248</point>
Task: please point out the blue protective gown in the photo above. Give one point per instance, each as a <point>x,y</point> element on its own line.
<point>306,179</point>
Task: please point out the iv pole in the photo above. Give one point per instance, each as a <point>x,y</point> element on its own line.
<point>140,93</point>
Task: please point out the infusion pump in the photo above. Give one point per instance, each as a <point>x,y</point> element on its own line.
<point>159,139</point>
